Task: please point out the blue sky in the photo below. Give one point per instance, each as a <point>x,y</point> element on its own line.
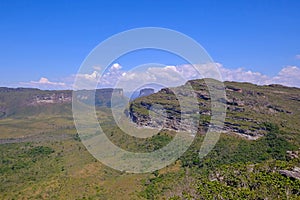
<point>51,38</point>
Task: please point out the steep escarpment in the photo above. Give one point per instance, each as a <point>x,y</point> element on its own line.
<point>28,101</point>
<point>249,108</point>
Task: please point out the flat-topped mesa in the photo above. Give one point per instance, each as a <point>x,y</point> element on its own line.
<point>30,101</point>
<point>146,92</point>
<point>110,91</point>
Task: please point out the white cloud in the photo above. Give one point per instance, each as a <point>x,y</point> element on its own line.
<point>242,75</point>
<point>44,83</point>
<point>177,75</point>
<point>297,57</point>
<point>289,76</point>
<point>107,79</point>
<point>169,76</point>
<point>90,77</point>
<point>171,68</point>
<point>116,66</point>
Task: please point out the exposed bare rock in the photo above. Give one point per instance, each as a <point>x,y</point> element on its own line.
<point>52,98</point>
<point>295,173</point>
<point>233,89</point>
<point>295,98</point>
<point>293,154</point>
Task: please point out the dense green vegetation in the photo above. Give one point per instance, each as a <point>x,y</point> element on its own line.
<point>235,181</point>
<point>234,150</point>
<point>235,169</point>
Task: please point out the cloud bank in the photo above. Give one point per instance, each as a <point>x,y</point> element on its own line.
<point>170,75</point>
<point>45,84</point>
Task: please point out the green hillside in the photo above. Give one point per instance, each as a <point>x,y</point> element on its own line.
<point>249,108</point>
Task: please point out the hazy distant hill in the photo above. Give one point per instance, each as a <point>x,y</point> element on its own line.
<point>18,102</point>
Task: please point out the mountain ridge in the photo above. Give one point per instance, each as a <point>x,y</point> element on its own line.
<point>249,108</point>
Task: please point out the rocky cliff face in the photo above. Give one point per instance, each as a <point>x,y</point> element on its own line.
<point>51,98</point>
<point>249,108</point>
